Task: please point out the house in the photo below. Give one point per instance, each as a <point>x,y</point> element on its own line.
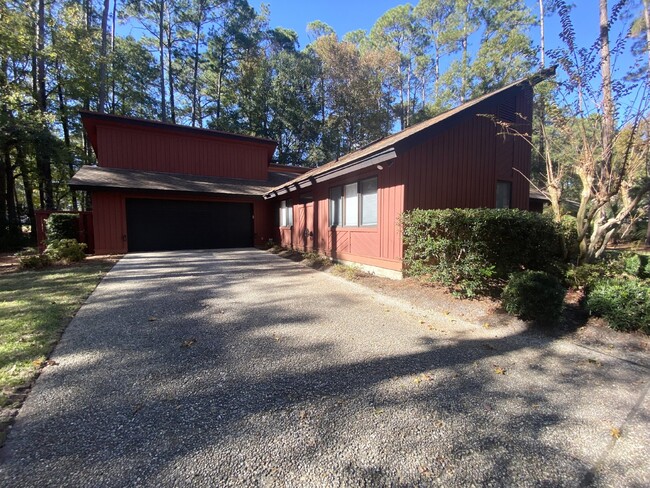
<point>159,186</point>
<point>349,209</point>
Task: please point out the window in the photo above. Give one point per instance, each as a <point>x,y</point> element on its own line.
<point>286,213</point>
<point>351,205</point>
<point>368,192</point>
<point>354,204</point>
<point>504,193</point>
<point>336,206</point>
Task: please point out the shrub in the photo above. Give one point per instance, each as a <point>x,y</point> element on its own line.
<point>624,303</point>
<point>66,250</point>
<point>534,295</point>
<point>62,226</point>
<point>570,236</point>
<point>34,261</point>
<point>475,250</point>
<point>635,264</point>
<point>587,275</point>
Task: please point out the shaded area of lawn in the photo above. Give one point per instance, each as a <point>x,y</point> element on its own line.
<point>35,308</point>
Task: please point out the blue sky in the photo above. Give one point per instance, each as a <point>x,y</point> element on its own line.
<point>348,15</point>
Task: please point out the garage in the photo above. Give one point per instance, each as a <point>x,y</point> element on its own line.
<point>166,225</point>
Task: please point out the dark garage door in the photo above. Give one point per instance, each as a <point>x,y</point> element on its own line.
<point>165,225</point>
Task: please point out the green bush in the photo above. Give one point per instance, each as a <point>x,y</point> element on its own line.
<point>635,264</point>
<point>624,303</point>
<point>62,226</point>
<point>34,261</point>
<point>570,236</point>
<point>534,295</point>
<point>589,274</point>
<point>66,250</point>
<point>475,250</point>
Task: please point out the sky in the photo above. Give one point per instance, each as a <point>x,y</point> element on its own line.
<point>348,15</point>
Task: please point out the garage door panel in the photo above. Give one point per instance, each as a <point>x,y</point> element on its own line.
<point>162,225</point>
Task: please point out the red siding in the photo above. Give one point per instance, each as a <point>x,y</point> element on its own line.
<point>459,167</point>
<point>377,246</point>
<point>109,218</point>
<point>146,149</point>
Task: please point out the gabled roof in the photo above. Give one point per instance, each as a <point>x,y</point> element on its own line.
<point>95,178</point>
<point>385,149</point>
<point>91,120</point>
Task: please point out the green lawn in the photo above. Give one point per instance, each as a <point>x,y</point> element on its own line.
<point>35,307</point>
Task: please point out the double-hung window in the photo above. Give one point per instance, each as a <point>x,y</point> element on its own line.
<point>286,213</point>
<point>354,204</point>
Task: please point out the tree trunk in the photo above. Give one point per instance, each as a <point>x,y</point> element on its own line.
<point>65,125</point>
<point>21,162</point>
<point>222,56</point>
<point>542,54</point>
<point>3,199</point>
<point>170,73</point>
<point>646,17</point>
<point>608,103</point>
<point>195,67</point>
<point>161,53</point>
<point>42,150</point>
<point>13,222</point>
<point>113,56</point>
<point>101,103</point>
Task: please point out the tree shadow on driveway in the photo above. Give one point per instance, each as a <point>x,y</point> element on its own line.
<point>240,368</point>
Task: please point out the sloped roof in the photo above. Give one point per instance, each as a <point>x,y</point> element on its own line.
<point>383,146</point>
<point>93,177</point>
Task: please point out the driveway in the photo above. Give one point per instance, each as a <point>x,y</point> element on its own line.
<point>237,367</point>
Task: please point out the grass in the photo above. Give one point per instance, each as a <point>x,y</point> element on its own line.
<point>35,308</point>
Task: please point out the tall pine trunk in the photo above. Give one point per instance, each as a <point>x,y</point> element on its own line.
<point>43,156</point>
<point>161,53</point>
<point>103,89</point>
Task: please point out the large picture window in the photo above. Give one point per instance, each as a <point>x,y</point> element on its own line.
<point>354,204</point>
<point>286,213</point>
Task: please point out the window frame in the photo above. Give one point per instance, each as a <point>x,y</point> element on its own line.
<point>341,220</point>
<point>286,211</point>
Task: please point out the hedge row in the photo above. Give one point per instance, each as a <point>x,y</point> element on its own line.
<point>474,251</point>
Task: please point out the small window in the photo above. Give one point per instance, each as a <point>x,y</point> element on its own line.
<point>286,213</point>
<point>336,206</point>
<point>351,205</point>
<point>504,194</point>
<point>368,201</point>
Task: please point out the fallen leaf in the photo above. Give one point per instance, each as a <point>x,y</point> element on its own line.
<point>302,414</point>
<point>421,321</point>
<point>188,343</point>
<point>446,312</point>
<point>616,433</point>
<point>51,362</point>
<point>439,423</point>
<point>152,319</point>
<point>499,369</point>
<point>486,325</point>
<point>424,471</point>
<point>595,362</point>
<point>379,411</point>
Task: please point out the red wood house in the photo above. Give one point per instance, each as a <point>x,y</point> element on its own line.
<point>160,186</point>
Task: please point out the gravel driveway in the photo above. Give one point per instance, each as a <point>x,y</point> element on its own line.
<point>237,367</point>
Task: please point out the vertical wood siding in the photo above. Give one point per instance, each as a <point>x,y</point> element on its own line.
<point>149,150</point>
<point>459,168</point>
<point>379,245</point>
